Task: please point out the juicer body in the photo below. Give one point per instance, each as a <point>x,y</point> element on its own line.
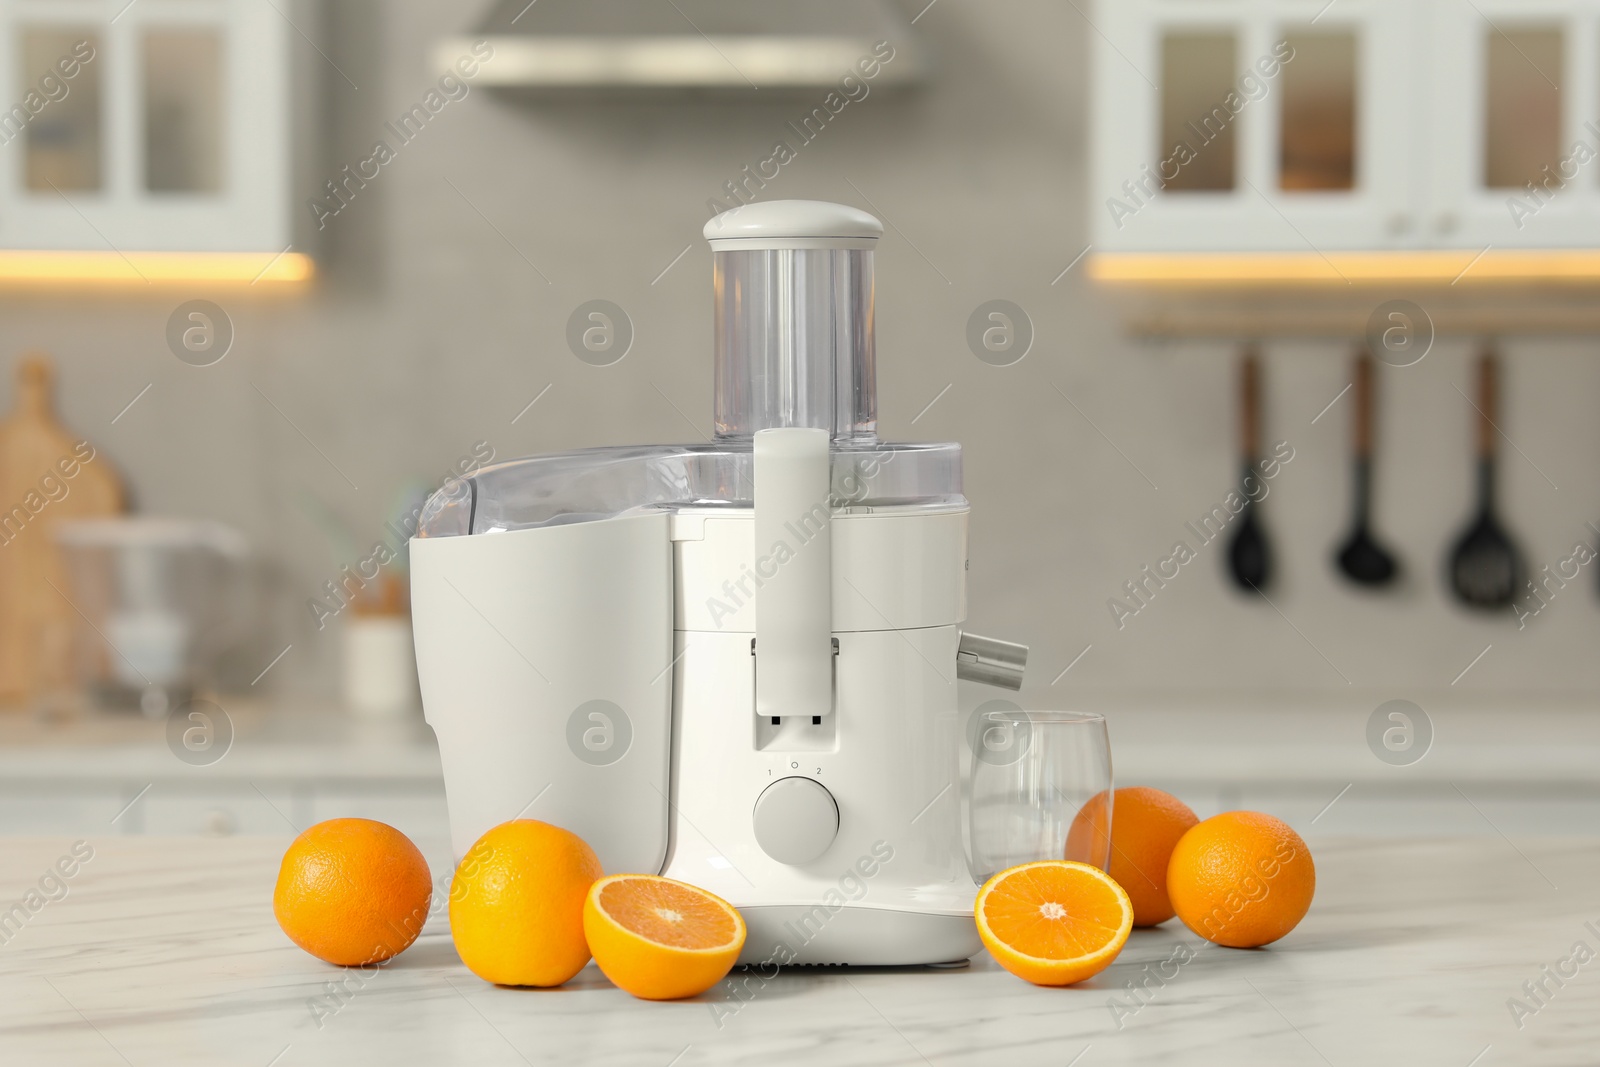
<point>732,663</point>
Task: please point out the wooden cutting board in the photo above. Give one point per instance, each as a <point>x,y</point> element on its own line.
<point>48,476</point>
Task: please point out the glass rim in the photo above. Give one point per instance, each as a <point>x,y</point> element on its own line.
<point>1048,718</point>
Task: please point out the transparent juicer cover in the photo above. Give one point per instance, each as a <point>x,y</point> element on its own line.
<point>794,346</point>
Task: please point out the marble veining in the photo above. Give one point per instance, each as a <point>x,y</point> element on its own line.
<point>164,951</point>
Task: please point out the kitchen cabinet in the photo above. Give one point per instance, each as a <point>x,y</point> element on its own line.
<point>170,811</point>
<point>221,808</point>
<point>45,809</point>
<point>1515,102</point>
<point>147,126</point>
<point>1302,126</point>
<point>106,775</point>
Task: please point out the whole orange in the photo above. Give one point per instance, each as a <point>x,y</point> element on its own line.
<point>1241,879</point>
<point>516,904</point>
<point>1145,825</point>
<point>352,891</point>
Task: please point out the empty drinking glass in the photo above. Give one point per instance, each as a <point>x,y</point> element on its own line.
<point>1041,789</point>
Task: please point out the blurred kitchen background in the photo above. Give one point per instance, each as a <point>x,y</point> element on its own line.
<point>432,333</point>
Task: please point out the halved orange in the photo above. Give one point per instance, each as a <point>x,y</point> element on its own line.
<point>1054,922</point>
<point>658,938</point>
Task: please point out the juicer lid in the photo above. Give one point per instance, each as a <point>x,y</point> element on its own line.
<point>591,484</point>
<point>793,224</point>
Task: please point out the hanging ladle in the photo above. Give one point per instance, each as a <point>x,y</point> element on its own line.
<point>1486,569</point>
<point>1362,559</point>
<point>1249,555</point>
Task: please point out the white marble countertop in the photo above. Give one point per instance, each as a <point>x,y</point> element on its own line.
<point>164,951</point>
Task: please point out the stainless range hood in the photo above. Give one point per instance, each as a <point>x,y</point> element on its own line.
<point>691,44</point>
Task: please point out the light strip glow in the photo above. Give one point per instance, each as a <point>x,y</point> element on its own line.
<point>140,269</point>
<point>1464,266</point>
<point>675,60</point>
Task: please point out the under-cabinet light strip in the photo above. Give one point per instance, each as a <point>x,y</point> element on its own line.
<point>1452,266</point>
<point>66,269</point>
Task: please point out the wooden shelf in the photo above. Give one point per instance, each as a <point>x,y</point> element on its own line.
<point>1241,294</point>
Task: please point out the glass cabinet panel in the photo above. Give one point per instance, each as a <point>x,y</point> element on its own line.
<point>58,109</point>
<point>138,126</point>
<point>183,110</point>
<point>1317,139</point>
<point>1197,128</point>
<point>1522,105</point>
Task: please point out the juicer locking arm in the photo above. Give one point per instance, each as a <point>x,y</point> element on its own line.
<point>990,660</point>
<point>794,605</point>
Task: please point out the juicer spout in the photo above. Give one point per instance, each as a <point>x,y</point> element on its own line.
<point>990,660</point>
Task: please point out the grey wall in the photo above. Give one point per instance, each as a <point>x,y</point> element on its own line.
<point>430,330</point>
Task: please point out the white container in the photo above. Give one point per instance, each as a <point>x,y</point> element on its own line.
<point>380,667</point>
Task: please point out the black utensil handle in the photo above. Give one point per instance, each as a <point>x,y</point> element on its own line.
<point>1362,478</point>
<point>1488,394</point>
<point>1249,405</point>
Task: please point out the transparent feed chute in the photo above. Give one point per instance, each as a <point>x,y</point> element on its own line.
<point>793,348</point>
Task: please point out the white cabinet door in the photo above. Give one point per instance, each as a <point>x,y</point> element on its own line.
<point>158,125</point>
<point>1253,124</point>
<point>1515,91</point>
<point>219,810</point>
<point>81,810</point>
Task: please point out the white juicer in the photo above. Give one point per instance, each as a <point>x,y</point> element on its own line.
<point>731,663</point>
